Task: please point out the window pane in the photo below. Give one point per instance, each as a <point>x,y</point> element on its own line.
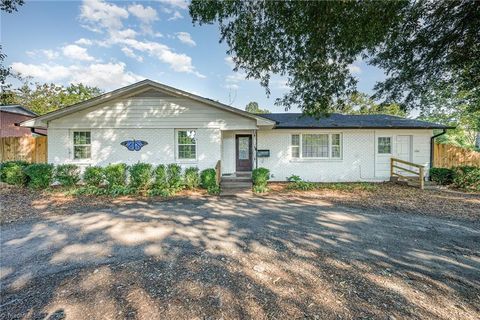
<point>315,146</point>
<point>186,137</point>
<point>81,137</point>
<point>295,140</point>
<point>384,145</point>
<point>187,152</point>
<point>295,152</point>
<point>336,146</point>
<point>243,148</point>
<point>81,152</point>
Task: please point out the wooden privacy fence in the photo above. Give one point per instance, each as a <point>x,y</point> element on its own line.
<point>31,149</point>
<point>447,156</point>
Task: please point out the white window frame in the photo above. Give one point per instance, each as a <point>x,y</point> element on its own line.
<point>330,150</point>
<point>378,144</point>
<point>81,145</point>
<point>177,145</point>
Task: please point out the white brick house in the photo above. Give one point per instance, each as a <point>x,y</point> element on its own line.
<point>183,128</point>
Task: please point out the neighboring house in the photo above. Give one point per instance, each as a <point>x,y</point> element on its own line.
<point>10,116</point>
<point>180,127</point>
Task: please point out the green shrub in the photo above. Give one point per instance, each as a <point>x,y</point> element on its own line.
<point>94,176</point>
<point>140,176</point>
<point>174,177</point>
<point>191,178</point>
<point>442,176</point>
<point>208,179</point>
<point>296,183</point>
<point>89,190</point>
<point>115,175</point>
<point>260,177</point>
<point>466,177</point>
<point>67,174</point>
<point>160,178</point>
<point>12,172</point>
<point>40,175</point>
<point>213,190</point>
<point>119,190</point>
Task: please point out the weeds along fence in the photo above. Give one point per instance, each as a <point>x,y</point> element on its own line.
<point>448,156</point>
<point>31,149</point>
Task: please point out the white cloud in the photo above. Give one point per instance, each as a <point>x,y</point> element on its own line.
<point>354,69</point>
<point>229,62</point>
<point>175,16</point>
<point>106,76</point>
<point>181,4</point>
<point>129,53</point>
<point>232,86</point>
<point>97,15</point>
<point>76,52</point>
<point>49,54</point>
<point>179,62</point>
<point>84,42</point>
<point>186,38</point>
<point>146,14</point>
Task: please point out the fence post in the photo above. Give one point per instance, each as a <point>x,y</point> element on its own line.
<point>391,168</point>
<point>422,177</point>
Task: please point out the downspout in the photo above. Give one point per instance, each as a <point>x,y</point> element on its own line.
<point>432,143</point>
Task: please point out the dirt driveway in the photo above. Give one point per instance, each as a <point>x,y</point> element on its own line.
<point>212,258</point>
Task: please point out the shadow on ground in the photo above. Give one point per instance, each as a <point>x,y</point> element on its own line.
<point>256,258</point>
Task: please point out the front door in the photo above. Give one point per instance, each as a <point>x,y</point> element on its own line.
<point>404,148</point>
<point>243,152</point>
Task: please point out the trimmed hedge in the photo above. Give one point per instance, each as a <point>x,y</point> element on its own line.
<point>94,176</point>
<point>40,175</point>
<point>442,176</point>
<point>67,175</point>
<point>13,172</point>
<point>466,177</point>
<point>260,177</point>
<point>191,178</point>
<point>174,176</point>
<point>208,181</point>
<point>140,176</point>
<point>116,175</point>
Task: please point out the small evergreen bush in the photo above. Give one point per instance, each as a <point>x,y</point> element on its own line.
<point>442,176</point>
<point>260,177</point>
<point>94,176</point>
<point>67,175</point>
<point>140,176</point>
<point>208,179</point>
<point>116,175</point>
<point>40,175</point>
<point>174,176</point>
<point>296,183</point>
<point>160,177</point>
<point>12,172</point>
<point>191,178</point>
<point>467,178</point>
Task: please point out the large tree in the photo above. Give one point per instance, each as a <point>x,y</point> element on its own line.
<point>313,43</point>
<point>253,107</point>
<point>42,98</point>
<point>360,103</point>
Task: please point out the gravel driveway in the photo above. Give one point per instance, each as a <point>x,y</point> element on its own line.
<point>274,257</point>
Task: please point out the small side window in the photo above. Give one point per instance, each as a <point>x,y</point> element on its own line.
<point>295,145</point>
<point>384,145</point>
<point>82,147</point>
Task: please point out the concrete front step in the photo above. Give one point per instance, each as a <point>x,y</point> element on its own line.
<point>237,192</point>
<point>236,179</point>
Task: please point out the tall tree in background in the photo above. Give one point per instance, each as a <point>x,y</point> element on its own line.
<point>313,43</point>
<point>44,98</point>
<point>8,6</point>
<point>253,107</point>
<point>360,103</point>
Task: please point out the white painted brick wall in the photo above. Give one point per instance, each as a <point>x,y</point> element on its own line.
<point>106,147</point>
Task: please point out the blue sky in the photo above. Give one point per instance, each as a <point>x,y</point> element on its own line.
<point>112,44</point>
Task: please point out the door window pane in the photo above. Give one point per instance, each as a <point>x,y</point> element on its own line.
<point>243,148</point>
<point>384,145</point>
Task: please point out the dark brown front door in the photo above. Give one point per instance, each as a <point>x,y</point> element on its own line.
<point>243,152</point>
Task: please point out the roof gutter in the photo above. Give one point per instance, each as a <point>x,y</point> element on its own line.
<point>432,144</point>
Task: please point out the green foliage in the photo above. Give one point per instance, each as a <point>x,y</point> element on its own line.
<point>314,44</point>
<point>260,189</point>
<point>253,107</point>
<point>350,186</point>
<point>12,172</point>
<point>174,176</point>
<point>140,176</point>
<point>119,190</point>
<point>296,183</point>
<point>467,178</point>
<point>360,103</point>
<point>160,177</point>
<point>40,175</point>
<point>191,178</point>
<point>442,176</point>
<point>213,190</point>
<point>47,97</point>
<point>90,190</point>
<point>260,176</point>
<point>208,179</point>
<point>115,175</point>
<point>67,175</point>
<point>94,176</point>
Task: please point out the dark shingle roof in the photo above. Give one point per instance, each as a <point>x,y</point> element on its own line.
<point>335,120</point>
<point>16,108</point>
